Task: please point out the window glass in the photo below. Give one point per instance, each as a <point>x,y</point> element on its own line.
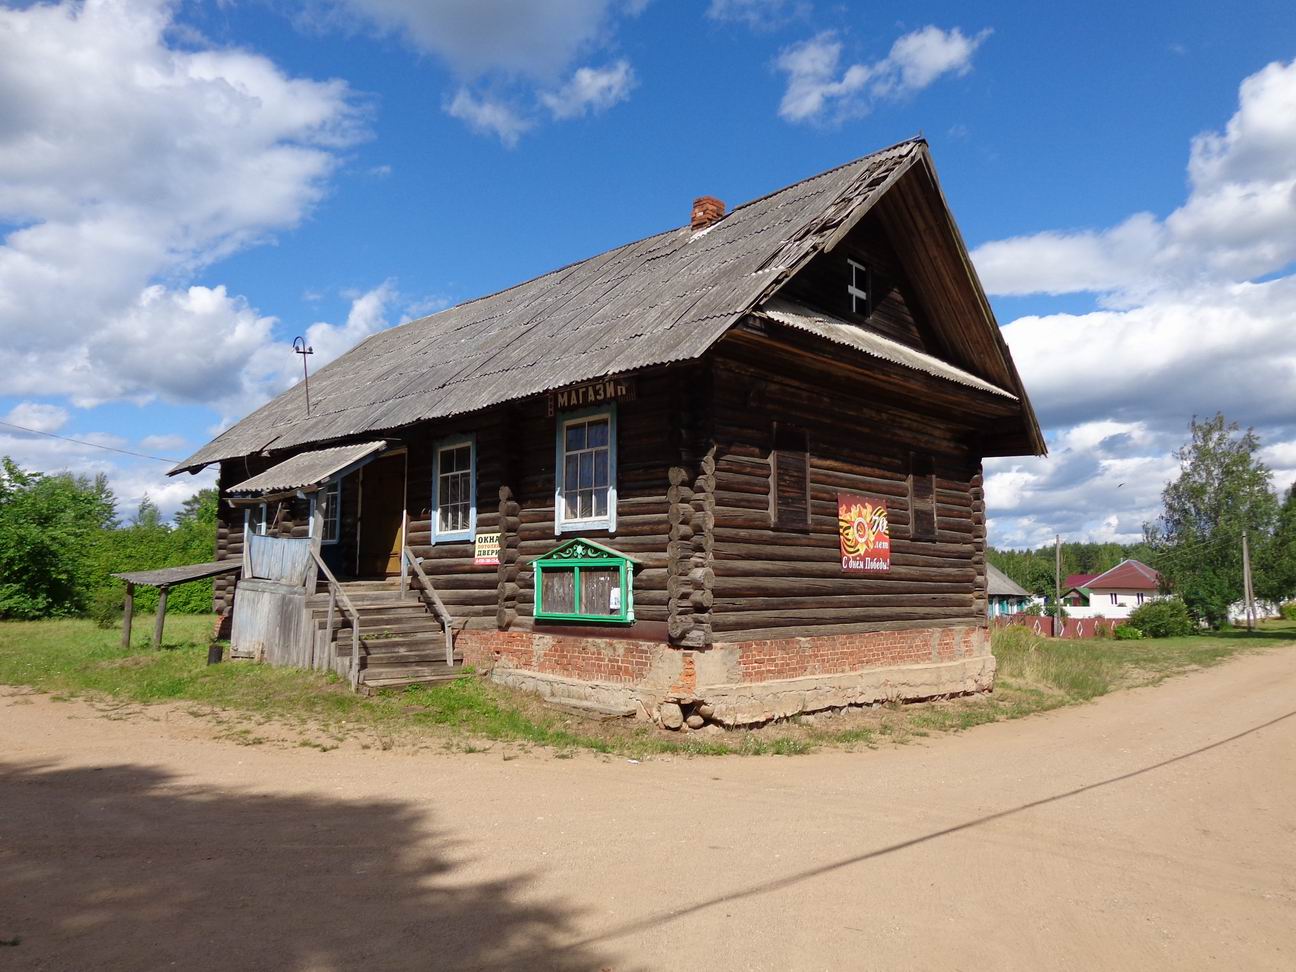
<point>587,468</point>
<point>331,497</point>
<point>558,593</point>
<point>600,591</point>
<point>454,488</point>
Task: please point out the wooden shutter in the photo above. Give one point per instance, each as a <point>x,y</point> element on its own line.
<point>790,478</point>
<point>922,497</point>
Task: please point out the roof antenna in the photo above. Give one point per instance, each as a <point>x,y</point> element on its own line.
<point>299,347</point>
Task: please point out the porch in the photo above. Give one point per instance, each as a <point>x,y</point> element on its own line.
<point>338,594</point>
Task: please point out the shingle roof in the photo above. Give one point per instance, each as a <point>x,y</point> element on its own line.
<point>662,299</point>
<point>1130,575</point>
<point>306,468</point>
<point>1074,581</point>
<point>999,584</point>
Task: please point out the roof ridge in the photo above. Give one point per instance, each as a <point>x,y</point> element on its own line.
<point>916,139</point>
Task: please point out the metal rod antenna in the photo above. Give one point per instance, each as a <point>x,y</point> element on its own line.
<point>300,347</point>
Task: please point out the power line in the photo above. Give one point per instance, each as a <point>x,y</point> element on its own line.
<point>92,445</point>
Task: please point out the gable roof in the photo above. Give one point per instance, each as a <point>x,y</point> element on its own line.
<point>999,584</point>
<point>1132,575</point>
<point>1075,582</point>
<point>663,299</point>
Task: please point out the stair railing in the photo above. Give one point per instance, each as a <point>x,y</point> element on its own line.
<point>433,600</point>
<point>339,597</point>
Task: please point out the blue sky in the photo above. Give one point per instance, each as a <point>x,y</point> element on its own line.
<point>184,187</point>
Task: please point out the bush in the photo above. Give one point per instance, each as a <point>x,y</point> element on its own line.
<point>1288,611</point>
<point>1163,618</point>
<point>1127,632</point>
<point>106,607</point>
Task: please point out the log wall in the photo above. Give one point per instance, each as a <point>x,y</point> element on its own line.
<point>773,583</point>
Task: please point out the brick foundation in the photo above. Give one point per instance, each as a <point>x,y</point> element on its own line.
<point>741,683</point>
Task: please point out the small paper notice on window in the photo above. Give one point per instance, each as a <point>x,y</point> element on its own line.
<point>614,599</point>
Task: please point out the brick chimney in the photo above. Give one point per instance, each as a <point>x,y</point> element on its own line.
<point>706,210</point>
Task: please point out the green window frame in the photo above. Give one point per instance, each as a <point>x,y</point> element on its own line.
<point>581,557</point>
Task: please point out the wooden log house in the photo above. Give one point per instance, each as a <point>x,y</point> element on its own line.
<point>730,472</point>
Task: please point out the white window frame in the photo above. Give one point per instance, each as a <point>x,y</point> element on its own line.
<point>561,523</point>
<point>332,512</point>
<point>444,445</point>
<point>260,524</point>
<point>1115,598</point>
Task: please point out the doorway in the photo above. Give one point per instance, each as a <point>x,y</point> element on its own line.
<point>382,508</point>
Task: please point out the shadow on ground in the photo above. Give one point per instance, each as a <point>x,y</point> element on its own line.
<point>121,867</point>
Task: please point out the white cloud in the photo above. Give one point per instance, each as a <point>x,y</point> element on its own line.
<point>38,416</point>
<point>1238,222</point>
<point>819,89</point>
<point>128,163</point>
<point>166,443</point>
<point>757,14</point>
<point>590,90</point>
<point>509,56</point>
<point>129,479</point>
<point>488,116</point>
<point>1191,320</point>
<point>480,37</point>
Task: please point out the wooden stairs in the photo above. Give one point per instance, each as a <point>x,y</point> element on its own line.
<point>401,641</point>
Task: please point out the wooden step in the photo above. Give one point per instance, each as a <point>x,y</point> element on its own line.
<point>400,639</point>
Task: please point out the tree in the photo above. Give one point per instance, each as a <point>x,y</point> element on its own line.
<point>48,524</point>
<point>1276,562</point>
<point>1222,490</point>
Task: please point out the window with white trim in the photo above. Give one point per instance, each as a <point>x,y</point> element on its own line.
<point>331,497</point>
<point>260,524</point>
<point>585,488</point>
<point>1115,598</point>
<point>454,490</point>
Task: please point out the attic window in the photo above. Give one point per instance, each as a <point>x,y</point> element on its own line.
<point>860,288</point>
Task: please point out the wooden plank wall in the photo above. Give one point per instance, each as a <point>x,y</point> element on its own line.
<point>778,583</point>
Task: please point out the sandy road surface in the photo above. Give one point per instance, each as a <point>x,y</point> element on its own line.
<point>1153,829</point>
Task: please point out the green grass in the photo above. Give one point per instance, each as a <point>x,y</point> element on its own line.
<point>72,657</point>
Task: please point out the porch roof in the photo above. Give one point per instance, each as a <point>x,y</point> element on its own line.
<point>307,469</point>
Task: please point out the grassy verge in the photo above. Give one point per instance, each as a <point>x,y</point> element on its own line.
<point>75,658</point>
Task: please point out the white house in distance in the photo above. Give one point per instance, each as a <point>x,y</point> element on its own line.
<point>1112,594</point>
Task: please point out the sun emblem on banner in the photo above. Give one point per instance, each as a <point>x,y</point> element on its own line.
<point>862,525</point>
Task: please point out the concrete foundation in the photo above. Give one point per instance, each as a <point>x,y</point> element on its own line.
<point>741,683</point>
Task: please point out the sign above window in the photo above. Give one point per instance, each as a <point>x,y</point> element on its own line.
<point>590,393</point>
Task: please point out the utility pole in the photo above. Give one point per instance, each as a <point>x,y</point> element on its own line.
<point>1057,582</point>
<point>1247,594</point>
<point>300,347</point>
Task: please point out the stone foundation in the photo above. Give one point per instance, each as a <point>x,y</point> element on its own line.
<point>738,683</point>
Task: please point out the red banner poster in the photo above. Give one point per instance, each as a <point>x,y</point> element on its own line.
<point>865,539</point>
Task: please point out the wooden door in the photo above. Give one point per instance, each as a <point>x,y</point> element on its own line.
<point>382,505</point>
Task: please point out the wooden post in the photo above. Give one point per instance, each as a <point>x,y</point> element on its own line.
<point>161,618</point>
<point>1248,601</point>
<point>1057,583</point>
<point>127,613</point>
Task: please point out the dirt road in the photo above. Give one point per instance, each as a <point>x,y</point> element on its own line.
<point>1153,829</point>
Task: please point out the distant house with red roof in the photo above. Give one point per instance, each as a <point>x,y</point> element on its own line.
<point>1113,593</point>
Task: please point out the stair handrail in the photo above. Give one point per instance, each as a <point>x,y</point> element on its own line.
<point>429,593</point>
<point>336,591</point>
